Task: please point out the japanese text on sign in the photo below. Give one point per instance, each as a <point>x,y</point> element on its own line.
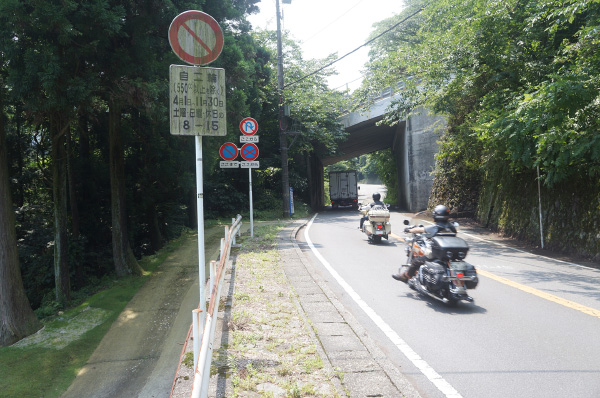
<point>197,101</point>
<point>230,165</point>
<point>250,165</point>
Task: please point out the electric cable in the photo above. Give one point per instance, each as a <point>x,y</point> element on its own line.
<point>351,81</point>
<point>356,49</point>
<point>332,22</point>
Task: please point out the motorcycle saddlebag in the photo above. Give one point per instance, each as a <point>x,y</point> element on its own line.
<point>449,248</point>
<point>470,271</point>
<point>432,274</point>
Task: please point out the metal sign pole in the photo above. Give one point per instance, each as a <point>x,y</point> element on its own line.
<point>251,209</point>
<point>540,204</point>
<point>200,212</point>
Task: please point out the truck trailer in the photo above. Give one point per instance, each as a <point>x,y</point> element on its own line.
<point>343,188</point>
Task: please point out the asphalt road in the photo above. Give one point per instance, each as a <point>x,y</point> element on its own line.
<point>531,332</point>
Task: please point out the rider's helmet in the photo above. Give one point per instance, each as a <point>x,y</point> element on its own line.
<point>376,196</point>
<point>441,213</point>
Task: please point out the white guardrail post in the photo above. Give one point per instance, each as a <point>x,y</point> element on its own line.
<point>204,325</point>
<point>197,328</point>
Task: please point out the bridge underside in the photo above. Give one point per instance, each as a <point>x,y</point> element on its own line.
<point>413,143</point>
<point>365,137</point>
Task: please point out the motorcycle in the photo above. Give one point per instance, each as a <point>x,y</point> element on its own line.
<point>377,225</point>
<point>443,274</point>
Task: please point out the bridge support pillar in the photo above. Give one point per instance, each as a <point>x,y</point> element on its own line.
<point>415,146</point>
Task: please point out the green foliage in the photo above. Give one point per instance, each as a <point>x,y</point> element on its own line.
<point>385,165</point>
<point>314,107</point>
<point>523,79</point>
<point>368,169</point>
<point>60,70</point>
<point>518,82</point>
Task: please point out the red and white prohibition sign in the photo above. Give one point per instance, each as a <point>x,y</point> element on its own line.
<point>249,152</point>
<point>196,37</point>
<point>248,126</point>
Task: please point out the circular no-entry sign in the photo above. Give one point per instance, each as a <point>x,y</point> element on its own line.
<point>248,126</point>
<point>249,152</point>
<point>228,151</point>
<point>196,37</point>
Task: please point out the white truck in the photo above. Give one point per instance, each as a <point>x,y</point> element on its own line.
<point>343,188</point>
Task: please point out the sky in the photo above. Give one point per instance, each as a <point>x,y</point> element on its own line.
<point>323,27</point>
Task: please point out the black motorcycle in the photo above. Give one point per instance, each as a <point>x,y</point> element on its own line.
<point>443,274</point>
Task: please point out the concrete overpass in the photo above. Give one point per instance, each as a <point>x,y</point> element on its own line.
<point>413,142</point>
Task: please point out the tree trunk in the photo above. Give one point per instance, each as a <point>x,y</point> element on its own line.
<point>20,199</point>
<point>17,319</point>
<point>156,239</point>
<point>72,189</point>
<point>59,191</point>
<point>74,205</point>
<point>125,261</point>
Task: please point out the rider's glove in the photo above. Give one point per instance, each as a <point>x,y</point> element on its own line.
<point>407,230</point>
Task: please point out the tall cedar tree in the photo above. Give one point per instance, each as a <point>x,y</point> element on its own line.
<point>17,320</point>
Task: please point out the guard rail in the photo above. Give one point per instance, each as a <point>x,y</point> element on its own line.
<point>204,326</point>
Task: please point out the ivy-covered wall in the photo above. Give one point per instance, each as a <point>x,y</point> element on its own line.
<point>509,202</point>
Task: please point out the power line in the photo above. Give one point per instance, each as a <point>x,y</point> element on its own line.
<point>332,22</point>
<point>356,49</point>
<point>351,81</point>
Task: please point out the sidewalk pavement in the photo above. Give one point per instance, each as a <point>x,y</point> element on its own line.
<point>342,343</point>
<point>345,343</point>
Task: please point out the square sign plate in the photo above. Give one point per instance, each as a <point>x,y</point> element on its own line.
<point>197,101</point>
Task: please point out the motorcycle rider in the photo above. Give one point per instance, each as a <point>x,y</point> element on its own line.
<point>376,202</point>
<point>440,216</point>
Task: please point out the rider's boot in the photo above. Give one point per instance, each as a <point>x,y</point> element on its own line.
<point>402,274</point>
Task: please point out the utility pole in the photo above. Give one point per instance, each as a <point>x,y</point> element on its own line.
<point>285,178</point>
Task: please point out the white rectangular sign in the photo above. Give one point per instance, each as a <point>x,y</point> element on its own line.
<point>230,165</point>
<point>250,165</point>
<point>197,101</point>
<point>249,138</point>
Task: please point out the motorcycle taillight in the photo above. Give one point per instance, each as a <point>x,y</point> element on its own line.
<point>379,227</point>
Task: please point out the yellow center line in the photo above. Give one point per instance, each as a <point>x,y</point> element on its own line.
<point>547,296</point>
<point>397,237</point>
<point>544,295</point>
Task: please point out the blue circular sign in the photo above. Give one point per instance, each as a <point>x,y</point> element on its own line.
<point>228,151</point>
<point>249,151</point>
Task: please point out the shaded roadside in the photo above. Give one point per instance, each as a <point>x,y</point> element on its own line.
<point>138,356</point>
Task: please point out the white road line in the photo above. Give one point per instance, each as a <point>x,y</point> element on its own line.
<point>412,356</point>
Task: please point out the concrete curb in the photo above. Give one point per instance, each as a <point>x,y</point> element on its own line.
<point>344,342</point>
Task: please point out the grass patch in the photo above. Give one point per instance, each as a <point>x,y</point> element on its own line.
<point>269,342</point>
<point>34,370</point>
<point>45,366</point>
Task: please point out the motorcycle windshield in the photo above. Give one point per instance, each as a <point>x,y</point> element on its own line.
<point>418,219</point>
